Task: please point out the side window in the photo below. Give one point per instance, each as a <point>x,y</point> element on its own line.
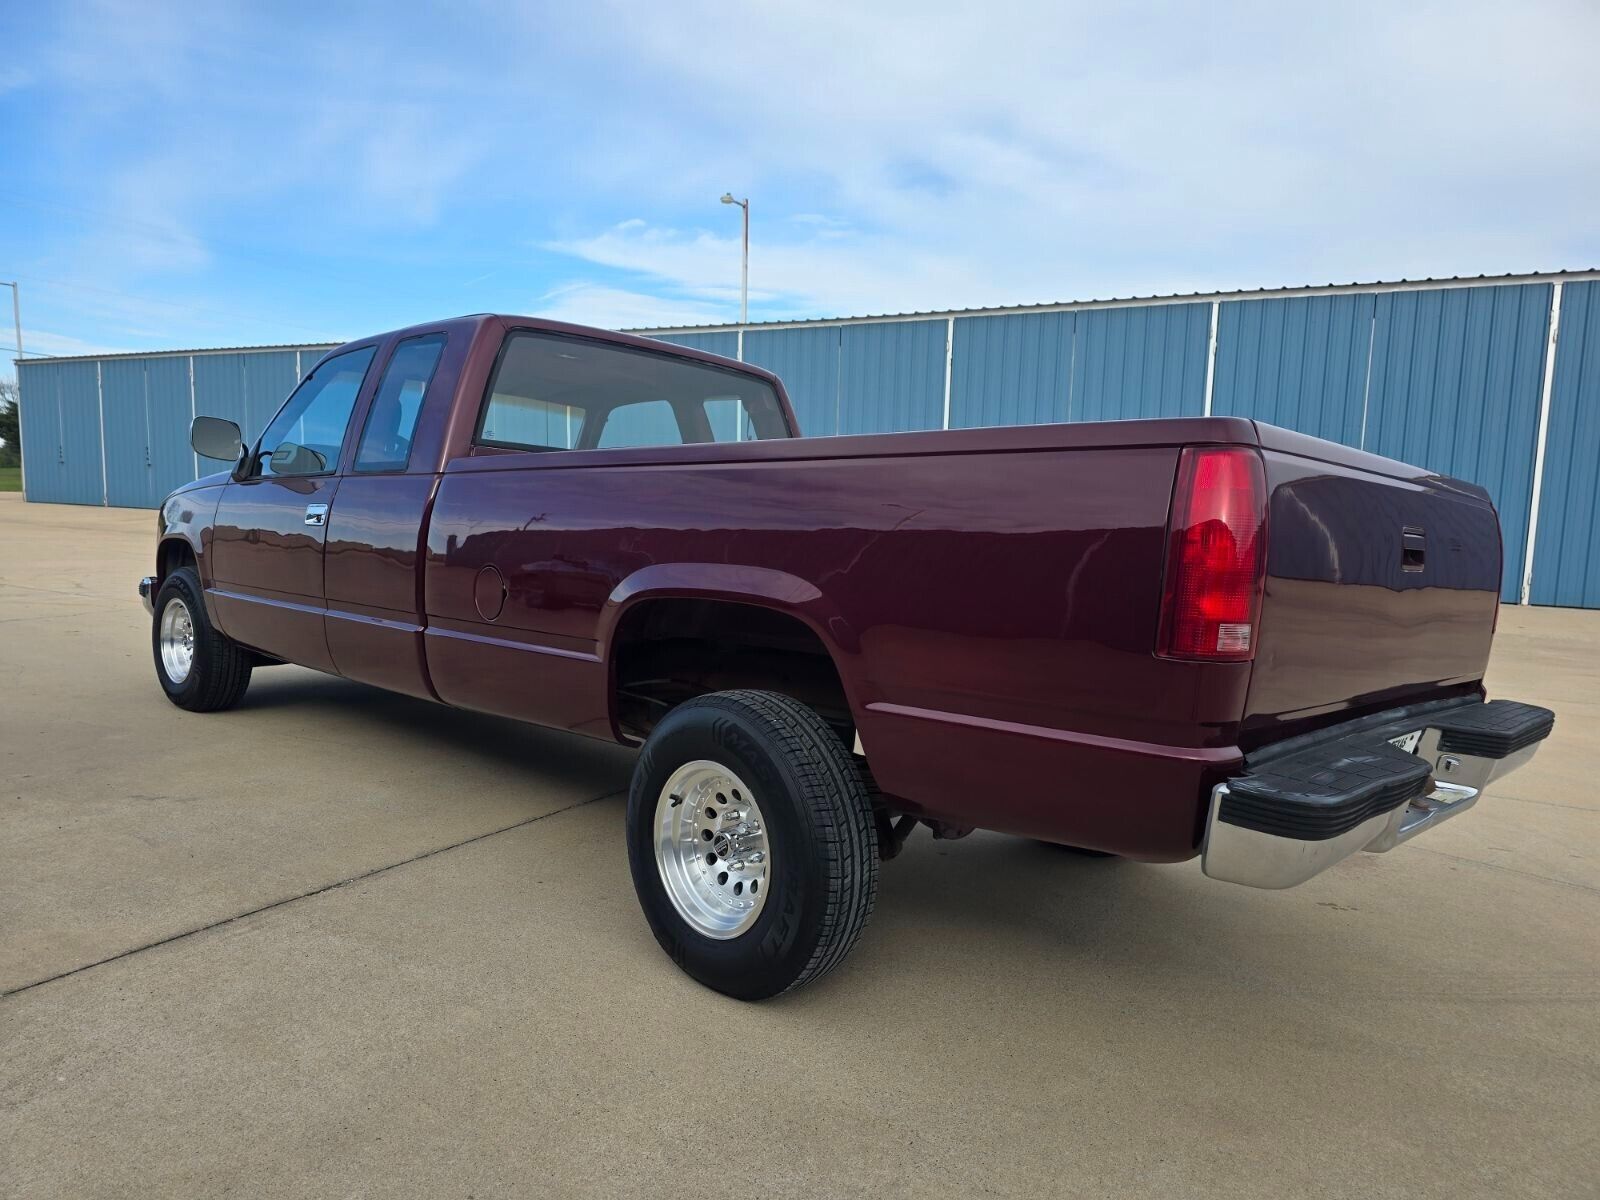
<point>305,437</point>
<point>392,420</point>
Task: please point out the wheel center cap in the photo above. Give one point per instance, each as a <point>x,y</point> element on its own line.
<point>722,845</point>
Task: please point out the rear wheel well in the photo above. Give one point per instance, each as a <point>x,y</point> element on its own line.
<point>672,649</point>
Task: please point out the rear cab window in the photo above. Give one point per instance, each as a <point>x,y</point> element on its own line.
<point>552,392</point>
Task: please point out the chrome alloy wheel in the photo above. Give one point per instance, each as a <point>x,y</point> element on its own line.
<point>712,850</point>
<point>177,640</point>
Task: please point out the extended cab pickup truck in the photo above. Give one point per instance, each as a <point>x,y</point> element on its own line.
<point>1155,639</point>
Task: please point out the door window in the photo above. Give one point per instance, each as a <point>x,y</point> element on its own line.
<point>392,420</point>
<point>306,435</point>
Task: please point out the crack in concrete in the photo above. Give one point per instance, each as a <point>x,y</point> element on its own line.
<point>217,924</point>
<point>1478,862</point>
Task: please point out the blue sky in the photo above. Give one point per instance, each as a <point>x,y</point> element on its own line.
<point>204,175</point>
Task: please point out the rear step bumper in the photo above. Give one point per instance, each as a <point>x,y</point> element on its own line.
<point>1300,807</point>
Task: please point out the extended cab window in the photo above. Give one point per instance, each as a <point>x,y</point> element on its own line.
<point>559,393</point>
<point>392,420</point>
<point>305,437</point>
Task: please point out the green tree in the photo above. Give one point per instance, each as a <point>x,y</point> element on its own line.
<point>10,431</point>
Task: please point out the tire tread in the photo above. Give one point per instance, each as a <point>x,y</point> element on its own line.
<point>223,665</point>
<point>841,811</point>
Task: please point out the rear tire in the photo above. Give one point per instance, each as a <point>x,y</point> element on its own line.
<point>200,668</point>
<point>766,793</point>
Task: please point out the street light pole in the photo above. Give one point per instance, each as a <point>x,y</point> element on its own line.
<point>744,269</point>
<point>16,311</point>
<point>16,317</point>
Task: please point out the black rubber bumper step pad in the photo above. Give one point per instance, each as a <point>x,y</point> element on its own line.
<point>1493,730</point>
<point>1325,790</point>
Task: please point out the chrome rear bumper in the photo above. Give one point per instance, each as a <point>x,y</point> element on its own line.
<point>1295,815</point>
<point>147,594</point>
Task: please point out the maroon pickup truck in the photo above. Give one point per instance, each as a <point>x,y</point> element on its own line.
<point>1156,639</point>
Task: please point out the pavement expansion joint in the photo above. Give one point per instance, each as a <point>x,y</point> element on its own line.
<point>318,891</point>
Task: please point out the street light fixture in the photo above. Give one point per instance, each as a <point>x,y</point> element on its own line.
<point>744,269</point>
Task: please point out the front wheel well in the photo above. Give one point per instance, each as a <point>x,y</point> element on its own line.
<point>671,649</point>
<point>173,553</point>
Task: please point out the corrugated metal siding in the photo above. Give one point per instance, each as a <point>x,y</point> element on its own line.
<point>1148,361</point>
<point>1301,364</point>
<point>80,423</point>
<point>40,409</point>
<point>268,380</point>
<point>807,360</point>
<point>122,390</point>
<point>725,344</point>
<point>1566,561</point>
<point>1014,370</point>
<point>147,415</point>
<point>61,427</point>
<point>172,462</point>
<point>219,391</point>
<point>306,358</point>
<point>1456,377</point>
<point>891,377</point>
<point>1454,384</point>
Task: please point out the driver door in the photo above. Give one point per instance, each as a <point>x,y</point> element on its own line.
<point>266,587</point>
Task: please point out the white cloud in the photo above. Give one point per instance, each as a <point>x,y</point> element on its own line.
<point>1015,153</point>
<point>44,342</point>
<point>796,277</point>
<point>620,308</point>
<point>899,156</point>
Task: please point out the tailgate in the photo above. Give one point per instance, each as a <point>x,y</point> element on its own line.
<point>1382,587</point>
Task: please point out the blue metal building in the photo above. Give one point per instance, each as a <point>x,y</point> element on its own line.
<point>115,429</point>
<point>1495,380</point>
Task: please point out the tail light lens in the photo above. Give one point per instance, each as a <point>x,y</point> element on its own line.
<point>1216,556</point>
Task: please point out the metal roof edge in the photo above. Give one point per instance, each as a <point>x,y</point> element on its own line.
<point>57,358</point>
<point>1265,293</point>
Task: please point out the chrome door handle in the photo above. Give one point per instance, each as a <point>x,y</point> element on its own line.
<point>316,514</point>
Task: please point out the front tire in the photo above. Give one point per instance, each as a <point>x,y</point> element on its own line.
<point>752,843</point>
<point>200,668</point>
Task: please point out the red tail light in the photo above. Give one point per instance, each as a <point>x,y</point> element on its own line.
<point>1216,556</point>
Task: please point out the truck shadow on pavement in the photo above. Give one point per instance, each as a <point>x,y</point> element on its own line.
<point>971,910</point>
<point>494,741</point>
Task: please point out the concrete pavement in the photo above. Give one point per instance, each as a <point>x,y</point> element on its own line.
<point>336,942</point>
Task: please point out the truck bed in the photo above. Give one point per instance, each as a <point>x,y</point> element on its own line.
<point>989,597</point>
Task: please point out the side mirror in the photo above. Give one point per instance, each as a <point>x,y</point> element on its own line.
<point>212,437</point>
